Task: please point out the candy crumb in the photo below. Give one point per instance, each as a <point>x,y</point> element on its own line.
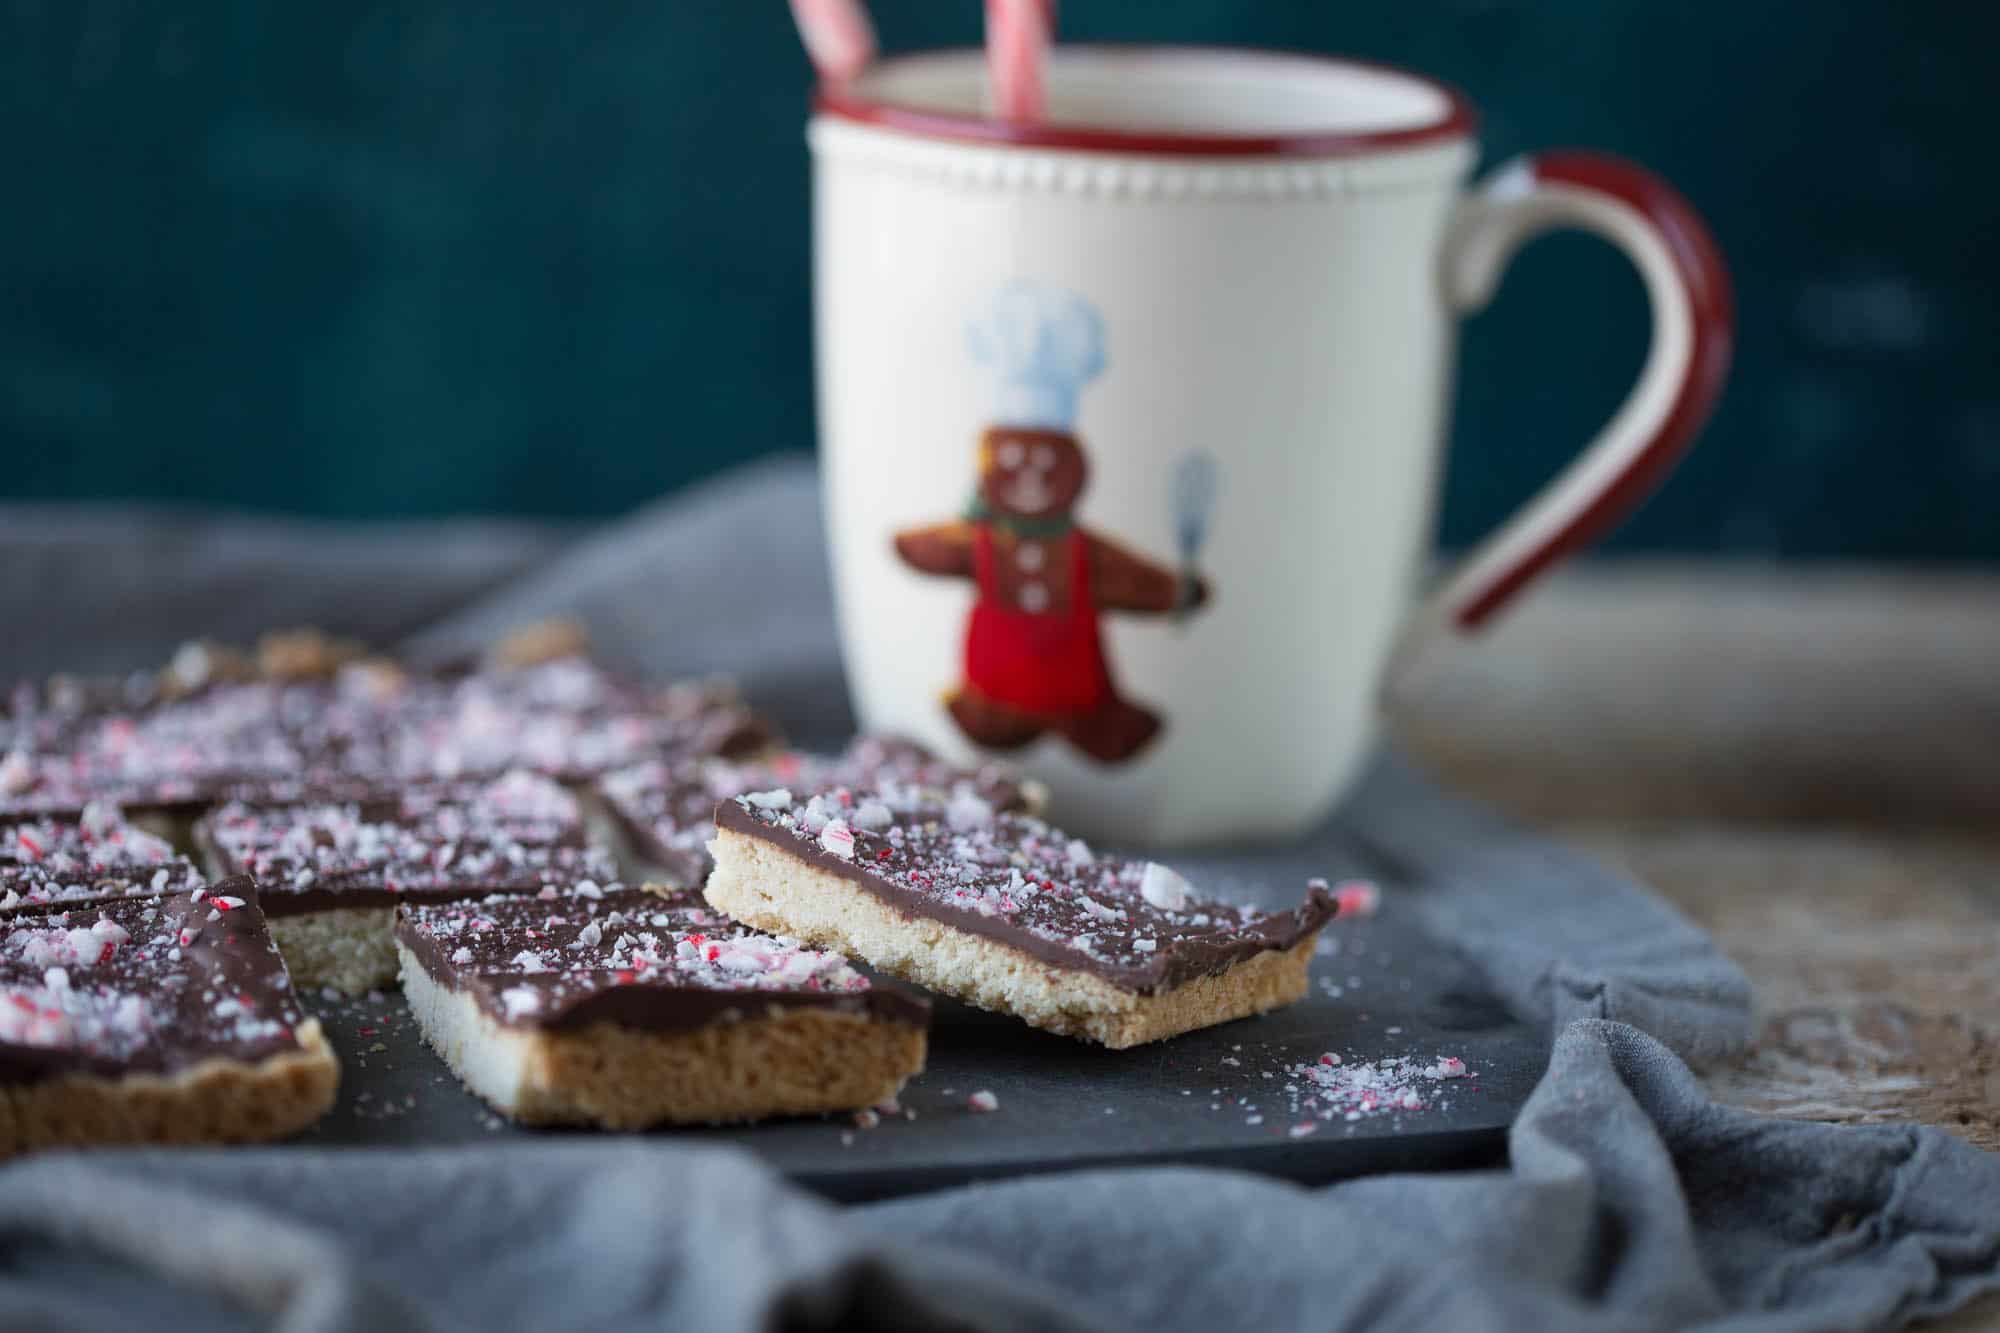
<point>983,1101</point>
<point>1356,897</point>
<point>838,839</point>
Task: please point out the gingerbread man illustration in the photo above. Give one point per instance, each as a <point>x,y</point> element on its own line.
<point>1034,656</point>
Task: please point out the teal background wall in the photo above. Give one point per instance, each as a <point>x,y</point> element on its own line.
<point>385,257</point>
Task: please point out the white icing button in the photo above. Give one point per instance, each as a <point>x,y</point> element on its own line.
<point>1029,556</point>
<point>1034,597</point>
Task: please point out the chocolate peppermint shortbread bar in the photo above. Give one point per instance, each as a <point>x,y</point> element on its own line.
<point>57,862</point>
<point>306,717</point>
<point>165,1019</point>
<point>624,1009</point>
<point>566,718</point>
<point>1005,912</point>
<point>165,756</point>
<point>331,873</point>
<point>661,815</point>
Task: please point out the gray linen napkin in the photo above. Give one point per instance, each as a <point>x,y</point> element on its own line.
<point>1630,1201</point>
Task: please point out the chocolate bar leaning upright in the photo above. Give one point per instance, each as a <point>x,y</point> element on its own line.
<point>1005,912</point>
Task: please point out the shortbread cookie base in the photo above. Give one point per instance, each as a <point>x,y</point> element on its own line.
<point>348,949</point>
<point>215,1101</point>
<point>1034,796</point>
<point>759,885</point>
<point>177,829</point>
<point>793,1061</point>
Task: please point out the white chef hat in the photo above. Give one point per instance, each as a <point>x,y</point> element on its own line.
<point>1043,345</point>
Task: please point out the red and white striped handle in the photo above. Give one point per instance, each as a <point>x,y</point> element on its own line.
<point>839,39</point>
<point>1018,33</point>
<point>840,42</point>
<point>1693,334</point>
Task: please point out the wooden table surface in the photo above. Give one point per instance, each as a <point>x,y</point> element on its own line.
<point>1808,764</point>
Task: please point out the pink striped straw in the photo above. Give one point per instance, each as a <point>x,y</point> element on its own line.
<point>840,41</point>
<point>1018,33</point>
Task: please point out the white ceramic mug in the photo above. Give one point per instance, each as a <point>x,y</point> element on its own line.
<point>1130,419</point>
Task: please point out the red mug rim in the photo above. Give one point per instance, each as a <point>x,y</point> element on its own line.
<point>1456,118</point>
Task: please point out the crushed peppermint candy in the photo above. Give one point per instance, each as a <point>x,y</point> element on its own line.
<point>517,1002</point>
<point>1164,887</point>
<point>519,833</point>
<point>565,718</point>
<point>1343,1091</point>
<point>155,753</point>
<point>1333,1089</point>
<point>666,810</point>
<point>1353,897</point>
<point>982,1101</point>
<point>968,810</point>
<point>837,838</point>
<point>95,857</point>
<point>105,988</point>
<point>198,734</point>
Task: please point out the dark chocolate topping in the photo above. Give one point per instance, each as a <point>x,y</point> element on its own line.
<point>517,834</point>
<point>566,718</point>
<point>149,985</point>
<point>630,957</point>
<point>367,729</point>
<point>68,862</point>
<point>39,718</point>
<point>667,811</point>
<point>172,754</point>
<point>1012,878</point>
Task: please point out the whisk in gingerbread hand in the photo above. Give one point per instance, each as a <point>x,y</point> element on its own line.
<point>1197,480</point>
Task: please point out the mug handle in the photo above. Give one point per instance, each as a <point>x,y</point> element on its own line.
<point>1686,364</point>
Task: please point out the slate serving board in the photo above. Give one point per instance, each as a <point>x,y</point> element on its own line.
<point>1381,988</point>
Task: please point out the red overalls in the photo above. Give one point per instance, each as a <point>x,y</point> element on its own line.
<point>1048,662</point>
